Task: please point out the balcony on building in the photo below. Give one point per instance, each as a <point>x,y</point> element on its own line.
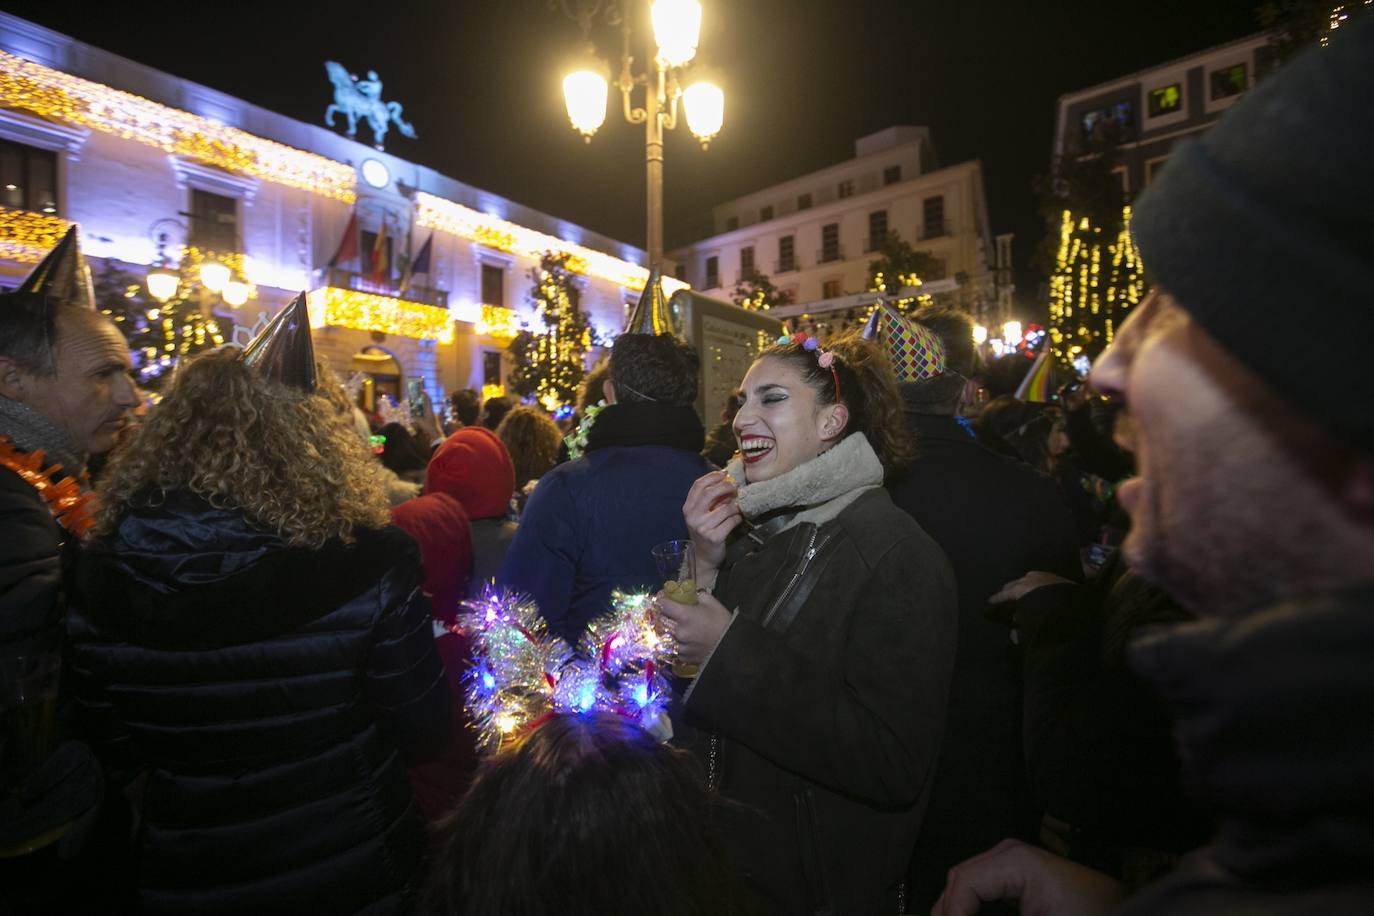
<point>829,255</point>
<point>390,287</point>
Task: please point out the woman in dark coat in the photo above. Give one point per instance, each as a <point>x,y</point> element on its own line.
<point>249,637</point>
<point>827,643</point>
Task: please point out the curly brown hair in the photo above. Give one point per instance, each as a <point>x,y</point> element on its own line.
<point>288,460</point>
<point>867,387</point>
<point>532,440</point>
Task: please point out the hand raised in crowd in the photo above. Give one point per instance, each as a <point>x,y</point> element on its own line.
<point>426,423</point>
<point>711,512</point>
<point>1043,884</point>
<point>1017,589</point>
<point>696,627</point>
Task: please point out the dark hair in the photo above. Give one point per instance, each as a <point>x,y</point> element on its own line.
<point>955,330</point>
<point>400,454</point>
<point>867,388</point>
<point>28,332</point>
<point>1016,429</point>
<point>494,411</point>
<point>467,406</point>
<point>587,814</point>
<point>592,383</point>
<point>532,440</point>
<point>733,402</point>
<point>653,367</point>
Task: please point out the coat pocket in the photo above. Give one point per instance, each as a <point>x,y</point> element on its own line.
<point>812,861</point>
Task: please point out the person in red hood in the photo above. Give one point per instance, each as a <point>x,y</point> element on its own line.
<point>459,521</point>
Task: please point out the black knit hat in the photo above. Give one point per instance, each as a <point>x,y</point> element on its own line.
<point>1263,231</point>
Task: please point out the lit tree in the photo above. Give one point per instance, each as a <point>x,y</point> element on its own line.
<point>899,265</point>
<point>549,365</point>
<point>757,293</point>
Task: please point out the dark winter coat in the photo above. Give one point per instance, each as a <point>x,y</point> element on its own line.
<point>269,693</point>
<point>1274,719</point>
<point>821,708</point>
<point>1099,748</point>
<point>996,519</point>
<point>590,525</point>
<point>31,552</point>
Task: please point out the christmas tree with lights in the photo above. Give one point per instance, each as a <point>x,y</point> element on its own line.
<point>549,364</point>
<point>1095,282</point>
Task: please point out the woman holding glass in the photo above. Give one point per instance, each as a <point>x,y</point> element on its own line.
<point>824,634</point>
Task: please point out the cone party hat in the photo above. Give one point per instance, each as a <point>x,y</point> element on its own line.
<point>651,314</point>
<point>916,352</point>
<point>283,351</point>
<point>62,278</point>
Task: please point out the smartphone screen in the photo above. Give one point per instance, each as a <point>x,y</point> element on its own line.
<point>415,394</point>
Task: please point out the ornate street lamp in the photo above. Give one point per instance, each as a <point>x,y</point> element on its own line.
<point>677,27</point>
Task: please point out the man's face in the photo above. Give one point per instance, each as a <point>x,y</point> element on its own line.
<point>1213,480</point>
<point>91,393</point>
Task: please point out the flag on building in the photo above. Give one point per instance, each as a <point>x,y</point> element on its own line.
<point>418,266</point>
<point>348,245</point>
<point>379,259</point>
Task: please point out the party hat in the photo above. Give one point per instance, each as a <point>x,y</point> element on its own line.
<point>916,352</point>
<point>283,350</point>
<point>1038,385</point>
<point>62,278</point>
<point>651,314</point>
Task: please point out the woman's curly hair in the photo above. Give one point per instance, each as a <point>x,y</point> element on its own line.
<point>867,387</point>
<point>288,460</point>
<point>532,440</point>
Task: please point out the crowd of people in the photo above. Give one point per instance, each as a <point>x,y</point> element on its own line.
<point>936,655</point>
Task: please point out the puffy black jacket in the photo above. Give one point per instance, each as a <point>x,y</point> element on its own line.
<point>827,699</point>
<point>269,693</point>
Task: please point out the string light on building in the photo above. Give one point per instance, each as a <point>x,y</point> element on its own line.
<point>347,308</point>
<point>53,94</point>
<point>498,322</point>
<point>27,237</point>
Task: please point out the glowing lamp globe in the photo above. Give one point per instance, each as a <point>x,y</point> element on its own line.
<point>980,334</point>
<point>235,293</point>
<point>585,95</point>
<point>162,285</point>
<point>1011,332</point>
<point>705,107</point>
<point>677,26</point>
<point>214,276</point>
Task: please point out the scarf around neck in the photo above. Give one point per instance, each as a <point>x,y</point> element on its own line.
<point>816,491</point>
<point>30,431</point>
<point>632,424</point>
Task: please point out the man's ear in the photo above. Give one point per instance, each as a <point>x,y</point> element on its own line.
<point>13,380</point>
<point>835,422</point>
<point>608,391</point>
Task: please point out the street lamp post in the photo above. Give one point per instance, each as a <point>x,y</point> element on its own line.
<point>677,26</point>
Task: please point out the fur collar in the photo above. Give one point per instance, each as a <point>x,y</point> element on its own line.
<point>816,491</point>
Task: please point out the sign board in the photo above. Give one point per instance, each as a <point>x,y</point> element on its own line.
<point>727,339</point>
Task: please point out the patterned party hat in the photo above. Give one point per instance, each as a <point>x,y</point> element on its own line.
<point>916,352</point>
<point>283,351</point>
<point>62,277</point>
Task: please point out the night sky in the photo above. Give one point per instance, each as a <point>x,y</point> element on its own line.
<point>481,82</point>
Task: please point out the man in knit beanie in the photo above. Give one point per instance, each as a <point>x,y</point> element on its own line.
<point>1254,504</point>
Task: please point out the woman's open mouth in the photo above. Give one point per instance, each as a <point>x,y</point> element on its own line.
<point>755,448</point>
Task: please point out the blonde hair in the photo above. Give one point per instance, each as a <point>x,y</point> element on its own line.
<point>288,460</point>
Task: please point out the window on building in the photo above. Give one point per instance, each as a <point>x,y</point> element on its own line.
<point>1166,100</point>
<point>830,289</point>
<point>765,213</point>
<point>491,367</point>
<point>1121,178</point>
<point>1152,168</point>
<point>680,271</point>
<point>215,224</point>
<point>731,223</point>
<point>787,253</point>
<point>1123,113</point>
<point>746,261</point>
<point>933,216</point>
<point>803,201</point>
<point>877,230</point>
<point>830,242</point>
<point>1228,81</point>
<point>846,188</point>
<point>493,285</point>
<point>892,174</point>
<point>28,177</point>
<point>712,272</point>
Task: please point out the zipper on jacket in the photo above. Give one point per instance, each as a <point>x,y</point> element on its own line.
<point>807,556</point>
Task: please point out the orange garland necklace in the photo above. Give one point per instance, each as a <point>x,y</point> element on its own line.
<point>73,508</point>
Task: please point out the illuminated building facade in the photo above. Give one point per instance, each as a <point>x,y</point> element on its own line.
<point>151,165</point>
